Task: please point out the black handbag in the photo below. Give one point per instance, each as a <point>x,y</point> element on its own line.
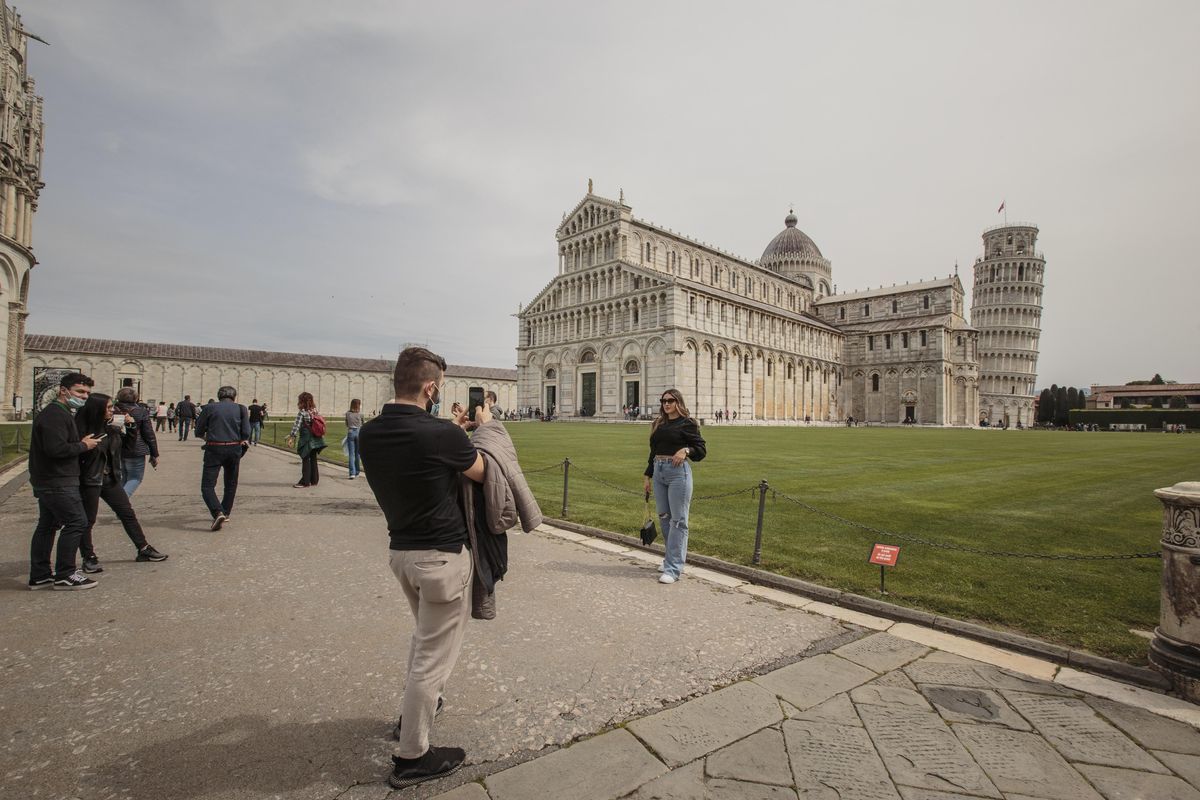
<point>649,531</point>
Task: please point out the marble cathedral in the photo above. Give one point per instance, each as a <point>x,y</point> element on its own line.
<point>636,308</point>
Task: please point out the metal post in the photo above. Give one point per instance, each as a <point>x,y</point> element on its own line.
<point>882,590</point>
<point>762,506</point>
<point>566,479</point>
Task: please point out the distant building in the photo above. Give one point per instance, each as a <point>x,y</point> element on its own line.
<point>20,184</point>
<point>1142,394</point>
<point>636,309</point>
<point>166,372</point>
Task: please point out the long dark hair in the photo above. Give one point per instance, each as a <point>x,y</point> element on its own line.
<point>93,417</point>
<point>680,406</point>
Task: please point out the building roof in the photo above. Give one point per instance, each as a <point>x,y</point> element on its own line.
<point>920,286</point>
<point>181,352</point>
<point>791,243</point>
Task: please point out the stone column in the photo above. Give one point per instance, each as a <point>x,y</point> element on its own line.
<point>10,209</point>
<point>28,241</point>
<point>1175,651</point>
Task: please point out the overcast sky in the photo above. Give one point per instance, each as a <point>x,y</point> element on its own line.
<point>344,177</point>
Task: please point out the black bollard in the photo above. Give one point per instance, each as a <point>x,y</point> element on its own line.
<point>566,479</point>
<point>762,505</point>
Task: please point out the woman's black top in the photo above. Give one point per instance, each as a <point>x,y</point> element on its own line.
<point>672,435</point>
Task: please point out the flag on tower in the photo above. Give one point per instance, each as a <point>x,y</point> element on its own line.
<point>1001,208</point>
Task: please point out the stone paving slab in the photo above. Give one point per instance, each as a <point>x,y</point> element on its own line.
<point>881,652</point>
<point>1023,763</point>
<point>1184,765</point>
<point>837,710</point>
<point>919,750</point>
<point>1076,731</point>
<point>873,694</point>
<point>685,783</point>
<point>1123,784</point>
<point>682,734</point>
<point>760,757</point>
<point>960,704</point>
<point>468,791</point>
<point>969,648</point>
<point>836,761</point>
<point>1161,704</point>
<point>813,681</point>
<point>1149,730</point>
<point>849,615</point>
<point>712,576</point>
<point>602,768</point>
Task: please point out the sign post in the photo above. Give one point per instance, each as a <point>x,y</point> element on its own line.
<point>885,555</point>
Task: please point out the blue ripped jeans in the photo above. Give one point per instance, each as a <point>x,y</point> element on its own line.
<point>672,500</point>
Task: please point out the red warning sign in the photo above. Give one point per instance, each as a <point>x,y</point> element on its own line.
<point>885,555</point>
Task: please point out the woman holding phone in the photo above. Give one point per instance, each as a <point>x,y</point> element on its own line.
<point>674,441</point>
<point>101,474</point>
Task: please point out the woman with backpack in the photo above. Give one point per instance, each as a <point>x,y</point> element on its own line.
<point>308,437</point>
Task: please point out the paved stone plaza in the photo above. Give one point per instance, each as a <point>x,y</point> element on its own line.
<point>265,661</point>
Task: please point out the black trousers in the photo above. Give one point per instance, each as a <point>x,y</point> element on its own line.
<point>226,457</point>
<point>309,474</point>
<point>118,501</point>
<point>57,508</point>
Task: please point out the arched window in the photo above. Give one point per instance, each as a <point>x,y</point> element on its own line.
<point>746,366</point>
<point>874,383</point>
<point>589,357</point>
<point>631,367</point>
<point>551,374</point>
<point>720,360</point>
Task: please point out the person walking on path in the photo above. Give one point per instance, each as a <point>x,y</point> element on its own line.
<point>256,422</point>
<point>100,475</point>
<point>185,411</point>
<point>308,443</point>
<point>137,441</point>
<point>674,440</point>
<point>225,426</point>
<point>414,462</point>
<point>160,417</point>
<point>54,450</point>
<point>171,417</point>
<point>354,422</point>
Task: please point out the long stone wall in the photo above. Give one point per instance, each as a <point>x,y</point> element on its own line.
<point>275,378</point>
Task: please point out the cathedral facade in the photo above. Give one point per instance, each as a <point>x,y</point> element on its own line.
<point>20,184</point>
<point>635,309</point>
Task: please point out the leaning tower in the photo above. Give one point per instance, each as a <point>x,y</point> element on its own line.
<point>1006,308</point>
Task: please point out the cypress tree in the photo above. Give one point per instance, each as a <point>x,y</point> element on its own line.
<point>1061,409</point>
<point>1045,407</point>
<point>1072,398</point>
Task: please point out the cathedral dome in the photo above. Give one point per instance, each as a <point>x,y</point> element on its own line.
<point>791,244</point>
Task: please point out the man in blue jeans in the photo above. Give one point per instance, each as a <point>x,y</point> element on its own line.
<point>185,412</point>
<point>54,450</point>
<point>225,426</point>
<point>256,422</point>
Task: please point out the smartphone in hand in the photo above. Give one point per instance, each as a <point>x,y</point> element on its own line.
<point>474,401</point>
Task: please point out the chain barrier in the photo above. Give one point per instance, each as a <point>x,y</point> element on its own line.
<point>542,469</point>
<point>908,537</point>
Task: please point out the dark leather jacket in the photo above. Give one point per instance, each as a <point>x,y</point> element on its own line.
<point>139,439</point>
<point>102,465</point>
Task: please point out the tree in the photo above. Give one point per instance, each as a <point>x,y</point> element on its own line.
<point>1125,403</point>
<point>1083,396</point>
<point>1157,380</point>
<point>1045,407</point>
<point>1178,401</point>
<point>1156,402</point>
<point>1061,409</point>
<point>1072,397</point>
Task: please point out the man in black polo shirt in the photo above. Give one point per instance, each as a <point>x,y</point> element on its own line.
<point>54,451</point>
<point>413,461</point>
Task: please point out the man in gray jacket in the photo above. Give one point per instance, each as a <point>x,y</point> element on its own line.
<point>225,426</point>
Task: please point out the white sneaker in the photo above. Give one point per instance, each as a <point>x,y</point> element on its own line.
<point>662,567</point>
<point>665,578</point>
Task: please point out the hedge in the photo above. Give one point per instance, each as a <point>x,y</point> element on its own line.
<point>1150,417</point>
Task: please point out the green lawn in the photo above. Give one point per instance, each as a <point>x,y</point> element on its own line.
<point>1021,491</point>
<point>14,441</point>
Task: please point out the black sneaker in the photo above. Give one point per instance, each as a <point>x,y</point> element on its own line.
<point>437,712</point>
<point>42,583</point>
<point>148,553</point>
<point>75,580</point>
<point>92,565</point>
<point>438,762</point>
<point>218,521</point>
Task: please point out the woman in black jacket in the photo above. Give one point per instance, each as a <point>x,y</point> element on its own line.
<point>100,476</point>
<point>674,441</point>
